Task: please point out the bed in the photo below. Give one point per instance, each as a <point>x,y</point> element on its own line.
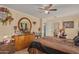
<point>53,45</point>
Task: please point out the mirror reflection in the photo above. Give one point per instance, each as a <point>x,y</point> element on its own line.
<point>24,25</point>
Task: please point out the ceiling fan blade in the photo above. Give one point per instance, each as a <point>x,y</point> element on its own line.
<point>52,9</point>
<point>46,7</point>
<point>41,7</point>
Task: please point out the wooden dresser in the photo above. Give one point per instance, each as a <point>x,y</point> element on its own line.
<point>23,41</point>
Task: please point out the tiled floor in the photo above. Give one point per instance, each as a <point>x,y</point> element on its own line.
<point>24,51</point>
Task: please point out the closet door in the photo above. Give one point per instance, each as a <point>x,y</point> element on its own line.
<point>49,29</point>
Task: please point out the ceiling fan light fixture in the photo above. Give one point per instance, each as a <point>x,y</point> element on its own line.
<point>46,12</point>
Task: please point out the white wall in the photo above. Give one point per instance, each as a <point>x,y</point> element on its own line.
<point>8,29</point>
<point>71,32</point>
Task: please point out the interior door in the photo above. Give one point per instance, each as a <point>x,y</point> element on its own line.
<point>56,28</point>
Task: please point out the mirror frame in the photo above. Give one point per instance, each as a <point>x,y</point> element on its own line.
<point>28,21</point>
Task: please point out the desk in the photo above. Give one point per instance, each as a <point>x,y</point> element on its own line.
<point>63,45</point>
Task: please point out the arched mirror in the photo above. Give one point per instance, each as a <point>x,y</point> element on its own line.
<point>24,25</point>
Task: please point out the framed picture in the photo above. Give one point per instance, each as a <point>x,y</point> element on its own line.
<point>68,24</point>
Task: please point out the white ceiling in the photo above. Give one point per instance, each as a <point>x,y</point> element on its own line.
<point>32,9</point>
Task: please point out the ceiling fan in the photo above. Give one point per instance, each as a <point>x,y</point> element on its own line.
<point>47,8</point>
